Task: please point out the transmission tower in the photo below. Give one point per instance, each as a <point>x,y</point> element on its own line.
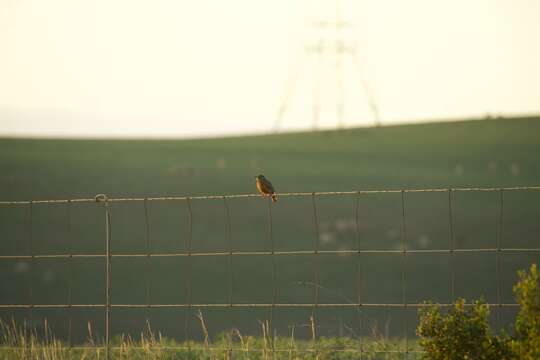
<point>331,42</point>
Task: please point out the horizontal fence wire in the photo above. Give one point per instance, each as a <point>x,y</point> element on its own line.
<point>225,349</point>
<point>242,305</point>
<point>315,347</point>
<point>240,196</point>
<point>252,253</point>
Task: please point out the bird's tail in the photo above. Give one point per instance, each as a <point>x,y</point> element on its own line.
<point>274,197</point>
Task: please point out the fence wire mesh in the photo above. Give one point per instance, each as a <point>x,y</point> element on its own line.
<point>358,305</point>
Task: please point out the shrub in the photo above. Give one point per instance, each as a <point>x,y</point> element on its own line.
<point>464,333</point>
<point>526,343</point>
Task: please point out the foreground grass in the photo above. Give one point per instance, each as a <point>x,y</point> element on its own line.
<point>20,343</point>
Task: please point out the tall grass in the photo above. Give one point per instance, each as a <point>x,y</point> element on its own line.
<point>20,342</point>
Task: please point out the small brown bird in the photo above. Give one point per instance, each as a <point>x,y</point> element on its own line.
<point>265,187</point>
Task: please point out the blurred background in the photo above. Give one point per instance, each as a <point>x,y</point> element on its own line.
<point>184,68</point>
<point>174,98</point>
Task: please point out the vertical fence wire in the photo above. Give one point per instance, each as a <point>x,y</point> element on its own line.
<point>32,265</point>
<point>359,275</point>
<point>404,273</point>
<point>229,269</point>
<point>316,275</point>
<point>189,241</point>
<point>274,270</point>
<point>70,277</point>
<point>451,246</point>
<point>230,247</point>
<point>108,278</point>
<point>498,256</point>
<point>148,260</point>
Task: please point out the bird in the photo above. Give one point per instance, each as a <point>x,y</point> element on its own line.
<point>264,186</point>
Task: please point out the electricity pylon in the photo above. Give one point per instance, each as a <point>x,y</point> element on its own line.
<point>339,50</point>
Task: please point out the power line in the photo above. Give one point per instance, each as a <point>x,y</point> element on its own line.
<point>331,42</point>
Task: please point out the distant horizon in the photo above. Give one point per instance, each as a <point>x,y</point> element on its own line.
<point>442,120</point>
<point>203,69</point>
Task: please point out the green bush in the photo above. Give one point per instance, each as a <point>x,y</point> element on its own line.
<point>464,333</point>
<point>526,343</point>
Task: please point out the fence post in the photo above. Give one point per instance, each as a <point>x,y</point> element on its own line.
<point>108,278</point>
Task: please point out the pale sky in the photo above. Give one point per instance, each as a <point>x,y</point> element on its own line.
<point>173,68</point>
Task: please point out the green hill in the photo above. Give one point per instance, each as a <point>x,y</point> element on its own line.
<point>491,153</point>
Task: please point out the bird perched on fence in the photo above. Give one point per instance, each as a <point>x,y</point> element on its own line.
<point>265,187</point>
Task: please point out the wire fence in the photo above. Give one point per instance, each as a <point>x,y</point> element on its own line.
<point>358,304</point>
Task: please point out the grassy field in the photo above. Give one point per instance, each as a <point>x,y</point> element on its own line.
<point>489,153</point>
<point>19,343</point>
